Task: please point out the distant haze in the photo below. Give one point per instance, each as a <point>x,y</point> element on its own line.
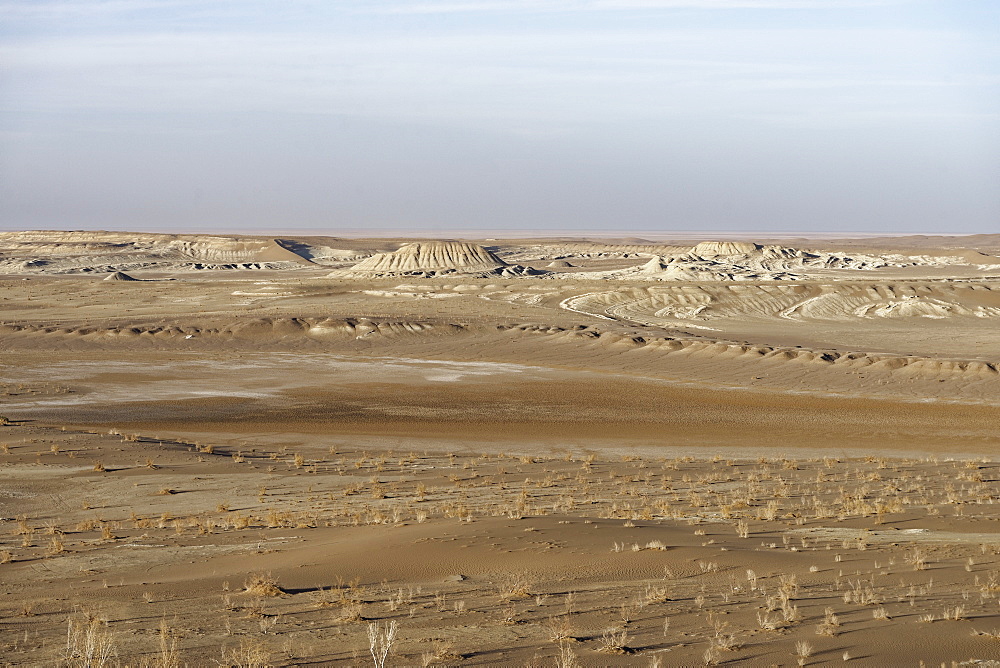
<point>436,116</point>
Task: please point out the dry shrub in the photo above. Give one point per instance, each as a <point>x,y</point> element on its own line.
<point>259,584</point>
<point>254,609</point>
<point>251,653</point>
<point>560,629</point>
<point>89,643</point>
<point>443,652</point>
<point>514,586</point>
<point>614,641</point>
<point>326,598</point>
<point>350,614</point>
<point>168,656</point>
<point>381,640</point>
<point>56,546</point>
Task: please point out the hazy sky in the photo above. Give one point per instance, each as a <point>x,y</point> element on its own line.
<point>616,115</point>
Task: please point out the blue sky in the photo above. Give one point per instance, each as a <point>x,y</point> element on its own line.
<point>449,115</point>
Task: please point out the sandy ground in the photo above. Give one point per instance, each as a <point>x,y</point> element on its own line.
<point>251,467</point>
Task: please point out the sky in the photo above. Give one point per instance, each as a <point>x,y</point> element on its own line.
<point>615,116</point>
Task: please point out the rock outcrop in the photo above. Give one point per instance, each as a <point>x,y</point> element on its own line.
<point>121,276</point>
<point>436,256</point>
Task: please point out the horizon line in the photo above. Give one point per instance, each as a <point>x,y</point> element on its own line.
<point>496,234</point>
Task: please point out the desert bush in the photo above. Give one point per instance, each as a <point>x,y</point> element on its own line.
<point>656,594</point>
<point>567,657</point>
<point>168,655</point>
<point>559,628</point>
<point>803,651</point>
<point>350,614</point>
<point>765,621</point>
<point>251,653</point>
<point>955,614</point>
<point>56,546</point>
<point>89,643</point>
<point>259,584</point>
<point>514,586</point>
<point>916,558</point>
<point>614,641</point>
<point>380,641</point>
<point>443,652</point>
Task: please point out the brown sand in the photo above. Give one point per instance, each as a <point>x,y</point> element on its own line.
<point>576,468</point>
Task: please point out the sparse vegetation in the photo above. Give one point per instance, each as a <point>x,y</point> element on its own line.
<point>89,643</point>
<point>260,584</point>
<point>871,573</point>
<point>614,641</point>
<point>381,639</point>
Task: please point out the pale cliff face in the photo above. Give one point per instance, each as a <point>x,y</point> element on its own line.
<point>433,255</point>
<point>714,248</point>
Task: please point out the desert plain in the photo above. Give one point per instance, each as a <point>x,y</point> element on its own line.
<point>305,451</point>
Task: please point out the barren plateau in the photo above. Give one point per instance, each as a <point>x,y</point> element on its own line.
<point>550,452</point>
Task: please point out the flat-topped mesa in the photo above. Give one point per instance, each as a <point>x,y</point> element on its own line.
<point>80,252</point>
<point>718,248</point>
<point>432,256</point>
